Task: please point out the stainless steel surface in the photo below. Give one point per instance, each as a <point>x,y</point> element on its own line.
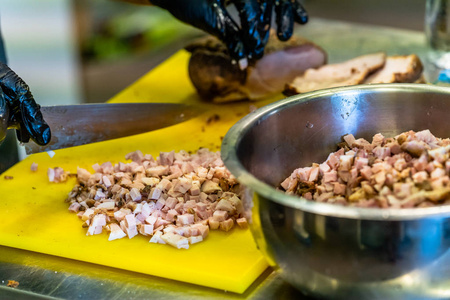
<point>334,251</point>
<point>74,125</point>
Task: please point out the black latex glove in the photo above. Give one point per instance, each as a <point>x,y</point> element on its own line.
<point>24,114</point>
<point>248,40</point>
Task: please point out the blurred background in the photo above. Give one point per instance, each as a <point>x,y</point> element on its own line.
<point>75,51</point>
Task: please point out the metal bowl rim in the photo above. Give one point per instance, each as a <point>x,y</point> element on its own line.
<point>237,131</point>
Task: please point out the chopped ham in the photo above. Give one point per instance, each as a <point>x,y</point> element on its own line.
<point>156,238</point>
<point>209,187</point>
<point>185,219</point>
<point>34,167</point>
<point>56,174</point>
<point>242,222</point>
<point>220,215</point>
<point>226,225</point>
<point>175,240</point>
<point>195,239</point>
<point>116,232</point>
<point>409,170</point>
<point>176,197</point>
<point>109,205</point>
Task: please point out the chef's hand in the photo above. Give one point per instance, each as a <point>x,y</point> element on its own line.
<point>18,109</point>
<point>248,40</point>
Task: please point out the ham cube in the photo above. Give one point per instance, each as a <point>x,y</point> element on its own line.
<point>135,156</point>
<point>131,232</point>
<point>94,230</point>
<point>220,215</point>
<point>209,187</point>
<point>135,194</point>
<point>345,162</point>
<point>34,167</point>
<point>329,176</point>
<point>203,229</point>
<point>151,220</point>
<point>349,139</point>
<point>106,181</point>
<point>151,181</point>
<point>195,239</point>
<point>170,216</point>
<point>314,174</point>
<point>166,158</point>
<point>213,224</point>
<point>183,185</point>
<point>146,229</point>
<point>130,221</point>
<point>107,167</point>
<point>120,215</point>
<point>157,171</point>
<point>195,188</point>
<point>201,206</point>
<point>156,238</point>
<point>160,203</point>
<point>303,173</point>
<point>74,207</point>
<point>242,222</point>
<point>171,202</point>
<point>99,195</point>
<point>161,222</point>
<point>361,162</point>
<point>202,172</point>
<point>99,220</point>
<point>97,168</point>
<point>83,175</point>
<point>225,205</point>
<point>87,214</point>
<point>175,240</point>
<point>324,167</point>
<point>437,173</point>
<point>185,219</point>
<point>226,225</point>
<point>108,205</point>
<point>155,193</point>
<point>203,196</point>
<point>116,232</point>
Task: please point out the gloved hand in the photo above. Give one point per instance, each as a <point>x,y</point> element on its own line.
<point>248,40</point>
<point>18,109</point>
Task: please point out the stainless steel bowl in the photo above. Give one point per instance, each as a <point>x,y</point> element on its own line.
<point>329,250</point>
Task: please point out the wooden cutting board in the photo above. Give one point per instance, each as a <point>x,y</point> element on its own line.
<point>34,215</point>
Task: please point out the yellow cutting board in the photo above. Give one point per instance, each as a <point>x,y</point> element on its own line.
<point>35,217</point>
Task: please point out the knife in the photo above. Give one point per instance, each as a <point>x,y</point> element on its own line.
<point>74,125</point>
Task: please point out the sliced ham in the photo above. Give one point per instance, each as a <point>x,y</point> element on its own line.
<point>407,68</point>
<point>365,69</point>
<point>351,72</point>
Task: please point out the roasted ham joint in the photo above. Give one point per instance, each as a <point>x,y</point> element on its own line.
<point>175,198</point>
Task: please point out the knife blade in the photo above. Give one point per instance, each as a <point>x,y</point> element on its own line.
<point>74,125</point>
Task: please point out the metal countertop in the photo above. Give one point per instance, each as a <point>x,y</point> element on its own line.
<point>42,276</point>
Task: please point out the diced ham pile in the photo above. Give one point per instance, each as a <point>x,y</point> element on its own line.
<point>409,170</point>
<point>174,199</point>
